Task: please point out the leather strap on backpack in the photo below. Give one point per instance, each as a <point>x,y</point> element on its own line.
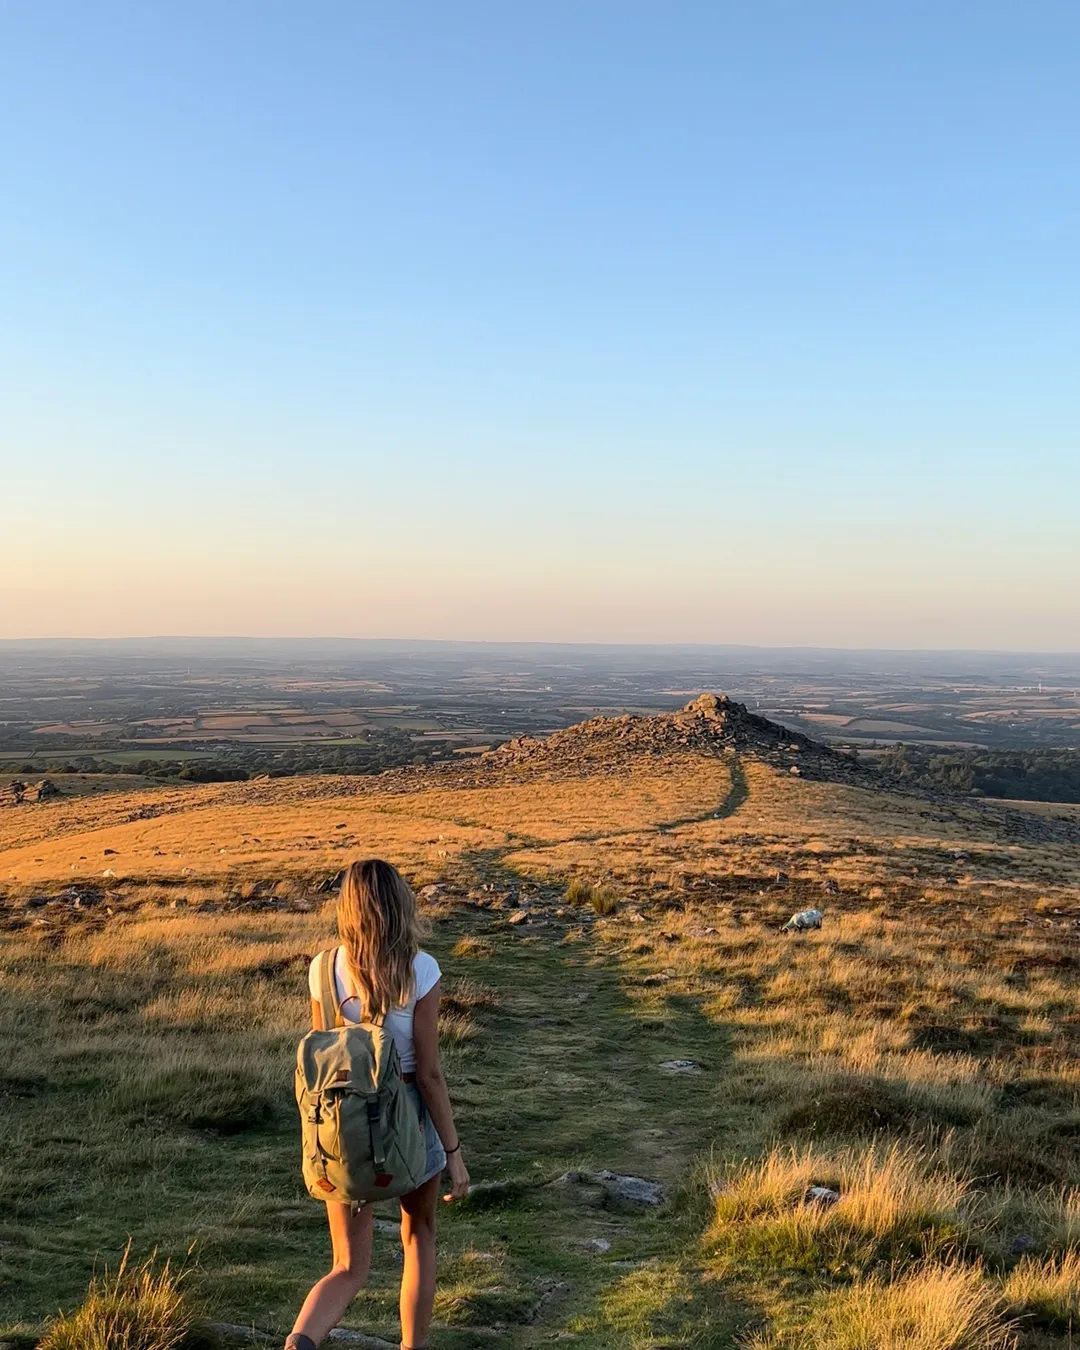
<point>328,999</point>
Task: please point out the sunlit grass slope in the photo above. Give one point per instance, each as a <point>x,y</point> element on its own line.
<point>869,1137</point>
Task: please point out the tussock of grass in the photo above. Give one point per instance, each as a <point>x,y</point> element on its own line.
<point>464,994</point>
<point>141,1308</point>
<point>603,899</point>
<point>893,1206</point>
<point>935,1307</point>
<point>579,892</point>
<point>457,1028</point>
<point>473,948</point>
<point>1048,1292</point>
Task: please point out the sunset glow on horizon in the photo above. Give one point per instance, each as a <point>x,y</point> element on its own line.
<point>585,323</point>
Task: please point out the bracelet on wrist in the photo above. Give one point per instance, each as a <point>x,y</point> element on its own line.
<point>455,1149</point>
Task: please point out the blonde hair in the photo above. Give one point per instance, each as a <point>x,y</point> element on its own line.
<point>380,929</point>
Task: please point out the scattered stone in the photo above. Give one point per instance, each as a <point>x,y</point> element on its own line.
<point>519,916</point>
<point>45,791</point>
<point>597,1245</point>
<point>700,932</point>
<point>617,1186</point>
<point>1024,1242</point>
<point>803,921</point>
<point>430,892</point>
<point>830,887</point>
<point>108,852</point>
<point>822,1196</point>
<point>680,1066</point>
<point>108,872</point>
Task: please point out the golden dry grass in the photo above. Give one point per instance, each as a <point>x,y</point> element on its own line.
<point>940,1307</point>
<point>134,1308</point>
<point>919,1054</point>
<point>893,1205</point>
<point>293,827</point>
<point>1047,1292</point>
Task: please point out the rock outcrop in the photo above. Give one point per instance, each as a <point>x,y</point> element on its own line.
<point>709,724</point>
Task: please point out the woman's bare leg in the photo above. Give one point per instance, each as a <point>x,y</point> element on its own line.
<point>418,1277</point>
<point>325,1306</point>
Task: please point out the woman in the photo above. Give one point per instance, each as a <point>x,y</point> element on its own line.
<point>380,971</point>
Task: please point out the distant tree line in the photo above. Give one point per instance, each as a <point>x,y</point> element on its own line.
<point>384,749</point>
<point>1026,775</point>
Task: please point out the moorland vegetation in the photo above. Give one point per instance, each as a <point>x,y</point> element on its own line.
<point>1041,775</point>
<point>863,1138</point>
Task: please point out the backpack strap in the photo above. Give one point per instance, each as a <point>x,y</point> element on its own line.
<point>328,999</point>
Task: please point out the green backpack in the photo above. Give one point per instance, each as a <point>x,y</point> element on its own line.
<point>362,1138</point>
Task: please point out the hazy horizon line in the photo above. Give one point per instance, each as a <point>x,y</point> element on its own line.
<point>177,639</point>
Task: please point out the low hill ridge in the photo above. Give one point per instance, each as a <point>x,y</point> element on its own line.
<point>711,723</point>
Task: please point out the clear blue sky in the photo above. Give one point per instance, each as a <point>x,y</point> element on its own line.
<point>606,321</point>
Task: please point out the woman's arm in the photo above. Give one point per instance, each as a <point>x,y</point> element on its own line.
<point>432,1085</point>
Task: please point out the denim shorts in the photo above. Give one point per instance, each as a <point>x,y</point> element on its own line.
<point>436,1154</point>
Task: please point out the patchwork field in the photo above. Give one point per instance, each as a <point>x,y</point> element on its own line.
<point>863,1137</point>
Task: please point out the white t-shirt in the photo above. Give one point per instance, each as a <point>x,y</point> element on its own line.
<point>399,1021</point>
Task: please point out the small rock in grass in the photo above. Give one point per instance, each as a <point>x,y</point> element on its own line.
<point>681,1066</point>
<point>519,916</point>
<point>597,1245</point>
<point>822,1196</point>
<point>616,1185</point>
<point>1022,1243</point>
<point>803,921</point>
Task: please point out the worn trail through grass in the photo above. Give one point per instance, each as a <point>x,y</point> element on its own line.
<point>147,1114</point>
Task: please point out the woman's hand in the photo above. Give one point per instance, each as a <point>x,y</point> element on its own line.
<point>459,1177</point>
